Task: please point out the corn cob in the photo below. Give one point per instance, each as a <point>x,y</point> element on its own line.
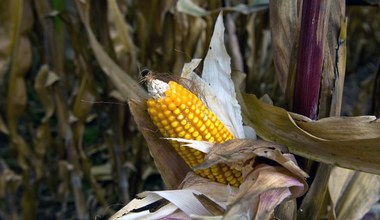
<point>178,113</point>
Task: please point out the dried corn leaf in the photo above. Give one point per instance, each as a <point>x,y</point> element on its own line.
<point>10,15</point>
<point>314,204</point>
<point>353,193</point>
<point>350,142</point>
<point>9,186</point>
<point>45,78</point>
<point>81,109</point>
<point>189,7</point>
<point>265,189</point>
<point>20,55</point>
<point>238,152</point>
<point>3,126</point>
<point>124,33</point>
<point>127,86</point>
<point>284,28</point>
<point>9,180</point>
<point>43,87</point>
<point>333,71</point>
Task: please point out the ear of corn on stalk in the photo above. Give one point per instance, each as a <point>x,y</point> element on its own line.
<point>178,113</point>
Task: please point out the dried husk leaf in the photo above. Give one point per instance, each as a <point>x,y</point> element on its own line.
<point>238,152</point>
<point>219,192</point>
<point>352,144</point>
<point>43,87</point>
<point>266,188</point>
<point>171,167</point>
<point>217,73</point>
<point>262,182</point>
<point>190,199</point>
<point>265,185</point>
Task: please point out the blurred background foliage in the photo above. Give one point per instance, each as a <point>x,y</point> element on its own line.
<point>69,148</point>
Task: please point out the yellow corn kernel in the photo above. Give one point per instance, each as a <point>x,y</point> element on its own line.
<point>179,113</point>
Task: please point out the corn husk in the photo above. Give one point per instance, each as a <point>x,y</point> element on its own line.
<point>270,172</point>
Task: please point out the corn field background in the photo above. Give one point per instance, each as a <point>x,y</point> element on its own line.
<point>69,148</point>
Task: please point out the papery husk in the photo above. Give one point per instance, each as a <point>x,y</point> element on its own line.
<point>216,84</point>
<point>266,184</point>
<point>196,196</point>
<point>170,165</point>
<point>238,152</point>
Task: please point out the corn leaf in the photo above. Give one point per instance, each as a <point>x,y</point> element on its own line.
<point>334,55</point>
<point>127,86</point>
<point>353,193</point>
<point>189,7</point>
<point>350,142</point>
<point>284,29</point>
<point>123,31</point>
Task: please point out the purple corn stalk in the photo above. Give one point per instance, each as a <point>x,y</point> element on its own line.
<point>310,57</point>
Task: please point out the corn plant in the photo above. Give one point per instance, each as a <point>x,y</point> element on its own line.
<point>250,109</point>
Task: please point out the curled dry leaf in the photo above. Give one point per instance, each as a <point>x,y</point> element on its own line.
<point>265,184</point>
<point>350,142</point>
<point>238,152</point>
<point>123,82</point>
